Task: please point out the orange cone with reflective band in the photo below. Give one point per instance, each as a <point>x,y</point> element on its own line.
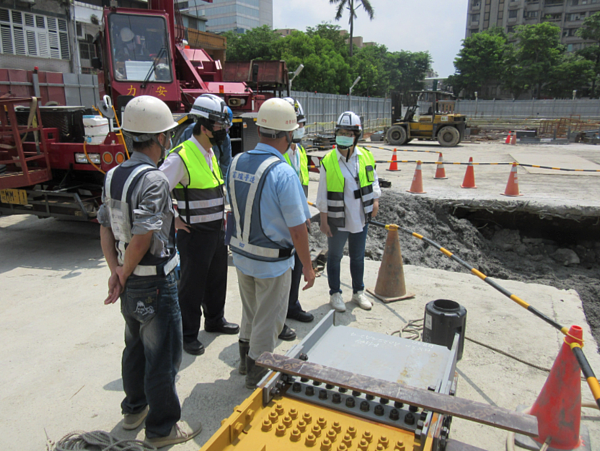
<point>512,187</point>
<point>508,138</point>
<point>513,141</point>
<point>417,183</point>
<point>440,172</point>
<point>469,180</point>
<point>393,164</point>
<point>390,284</point>
<point>558,406</point>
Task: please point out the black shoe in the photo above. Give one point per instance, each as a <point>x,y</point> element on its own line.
<point>301,315</point>
<point>287,334</point>
<point>254,374</point>
<point>222,327</point>
<point>193,347</point>
<point>244,348</point>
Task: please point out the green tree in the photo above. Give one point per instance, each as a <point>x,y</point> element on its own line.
<point>352,6</point>
<point>331,33</point>
<point>479,62</point>
<point>370,63</point>
<point>407,70</point>
<point>573,72</point>
<point>257,43</point>
<point>530,61</point>
<point>325,69</point>
<point>590,30</point>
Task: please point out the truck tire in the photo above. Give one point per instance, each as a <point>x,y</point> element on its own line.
<point>448,136</point>
<point>396,135</point>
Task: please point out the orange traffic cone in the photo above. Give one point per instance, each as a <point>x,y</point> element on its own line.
<point>558,406</point>
<point>508,138</point>
<point>390,284</point>
<point>440,172</point>
<point>513,141</point>
<point>512,187</point>
<point>417,184</point>
<point>469,180</point>
<point>393,164</point>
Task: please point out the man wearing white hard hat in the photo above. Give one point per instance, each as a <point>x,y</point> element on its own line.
<point>138,240</point>
<point>270,215</point>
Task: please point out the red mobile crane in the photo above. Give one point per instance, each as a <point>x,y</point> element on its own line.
<point>49,166</point>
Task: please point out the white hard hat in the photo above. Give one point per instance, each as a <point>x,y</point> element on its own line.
<point>348,121</point>
<point>277,114</point>
<point>300,118</point>
<point>211,107</point>
<point>147,115</point>
<point>126,34</point>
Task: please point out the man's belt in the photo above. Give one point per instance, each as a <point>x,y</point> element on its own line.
<point>162,270</point>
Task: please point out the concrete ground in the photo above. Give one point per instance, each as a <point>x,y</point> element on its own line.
<point>61,355</point>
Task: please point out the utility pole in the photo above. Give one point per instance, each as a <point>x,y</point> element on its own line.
<point>350,93</point>
<point>294,75</point>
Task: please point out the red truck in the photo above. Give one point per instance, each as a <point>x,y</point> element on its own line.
<point>52,165</point>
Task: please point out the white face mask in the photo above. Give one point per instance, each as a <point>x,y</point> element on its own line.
<point>299,133</point>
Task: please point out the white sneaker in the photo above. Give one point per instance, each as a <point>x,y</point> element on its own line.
<point>360,298</point>
<point>337,302</point>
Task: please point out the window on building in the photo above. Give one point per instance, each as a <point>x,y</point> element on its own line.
<point>29,34</point>
<point>512,14</point>
<point>575,16</point>
<point>530,14</point>
<point>476,4</point>
<point>474,31</point>
<point>474,17</point>
<point>569,32</point>
<point>510,29</point>
<point>553,17</point>
<point>553,2</point>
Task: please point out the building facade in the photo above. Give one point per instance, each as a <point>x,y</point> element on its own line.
<point>231,15</point>
<point>567,14</point>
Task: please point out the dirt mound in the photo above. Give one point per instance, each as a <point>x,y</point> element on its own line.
<point>497,252</point>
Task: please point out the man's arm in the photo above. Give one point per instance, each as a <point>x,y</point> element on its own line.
<point>136,250</point>
<point>300,239</point>
<point>107,241</point>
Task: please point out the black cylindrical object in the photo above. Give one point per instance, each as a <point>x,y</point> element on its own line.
<point>444,318</point>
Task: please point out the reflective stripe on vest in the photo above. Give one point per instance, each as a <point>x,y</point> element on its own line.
<point>248,238</point>
<point>202,200</point>
<point>336,182</point>
<point>118,199</point>
<point>303,164</point>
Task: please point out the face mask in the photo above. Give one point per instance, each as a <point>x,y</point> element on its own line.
<point>218,137</point>
<point>298,134</point>
<point>344,141</point>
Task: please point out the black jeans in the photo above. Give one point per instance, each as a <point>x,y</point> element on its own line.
<point>293,302</point>
<point>203,282</point>
<point>153,348</point>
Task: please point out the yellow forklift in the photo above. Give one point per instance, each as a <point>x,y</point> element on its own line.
<point>438,123</point>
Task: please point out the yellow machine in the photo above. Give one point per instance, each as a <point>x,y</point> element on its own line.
<point>438,123</point>
<point>344,389</point>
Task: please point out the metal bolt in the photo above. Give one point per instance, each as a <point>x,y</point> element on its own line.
<point>307,418</point>
<point>350,402</point>
<point>370,397</point>
<point>394,414</point>
<point>342,447</point>
<point>409,418</point>
<point>342,390</point>
<point>337,427</point>
<point>322,394</point>
<point>329,386</point>
<point>266,426</point>
<point>279,408</point>
<point>380,447</point>
<point>304,379</point>
<point>337,398</point>
<point>287,421</point>
<point>280,432</point>
<point>363,445</point>
<point>310,391</point>
<point>303,356</point>
<point>316,383</point>
<point>399,446</point>
<point>326,445</point>
<point>293,413</point>
<point>379,410</point>
<point>301,426</point>
<point>295,435</point>
<point>316,431</point>
<point>368,436</point>
<point>355,393</point>
<point>310,440</point>
<point>384,401</point>
<point>347,441</point>
<point>322,422</point>
<point>352,431</point>
<point>413,409</point>
<point>364,406</point>
<point>383,440</point>
<point>296,388</point>
<point>398,404</point>
<point>274,417</point>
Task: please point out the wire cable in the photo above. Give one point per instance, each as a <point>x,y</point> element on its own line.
<point>99,441</point>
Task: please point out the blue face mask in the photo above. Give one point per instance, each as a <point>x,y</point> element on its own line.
<point>298,134</point>
<point>344,141</point>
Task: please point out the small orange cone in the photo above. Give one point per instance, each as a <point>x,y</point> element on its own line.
<point>512,187</point>
<point>393,164</point>
<point>558,406</point>
<point>417,184</point>
<point>469,180</point>
<point>508,138</point>
<point>390,284</point>
<point>440,172</point>
<point>513,141</point>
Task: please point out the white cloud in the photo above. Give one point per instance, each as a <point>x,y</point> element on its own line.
<point>436,26</point>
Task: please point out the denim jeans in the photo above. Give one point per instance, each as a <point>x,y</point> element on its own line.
<point>356,248</point>
<point>153,349</point>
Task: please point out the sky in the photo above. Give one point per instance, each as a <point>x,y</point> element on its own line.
<point>436,26</point>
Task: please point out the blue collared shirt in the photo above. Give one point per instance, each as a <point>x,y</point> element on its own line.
<point>282,206</point>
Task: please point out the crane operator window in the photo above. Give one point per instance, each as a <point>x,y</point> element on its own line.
<point>140,49</point>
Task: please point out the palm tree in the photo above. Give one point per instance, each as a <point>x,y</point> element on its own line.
<point>352,6</point>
